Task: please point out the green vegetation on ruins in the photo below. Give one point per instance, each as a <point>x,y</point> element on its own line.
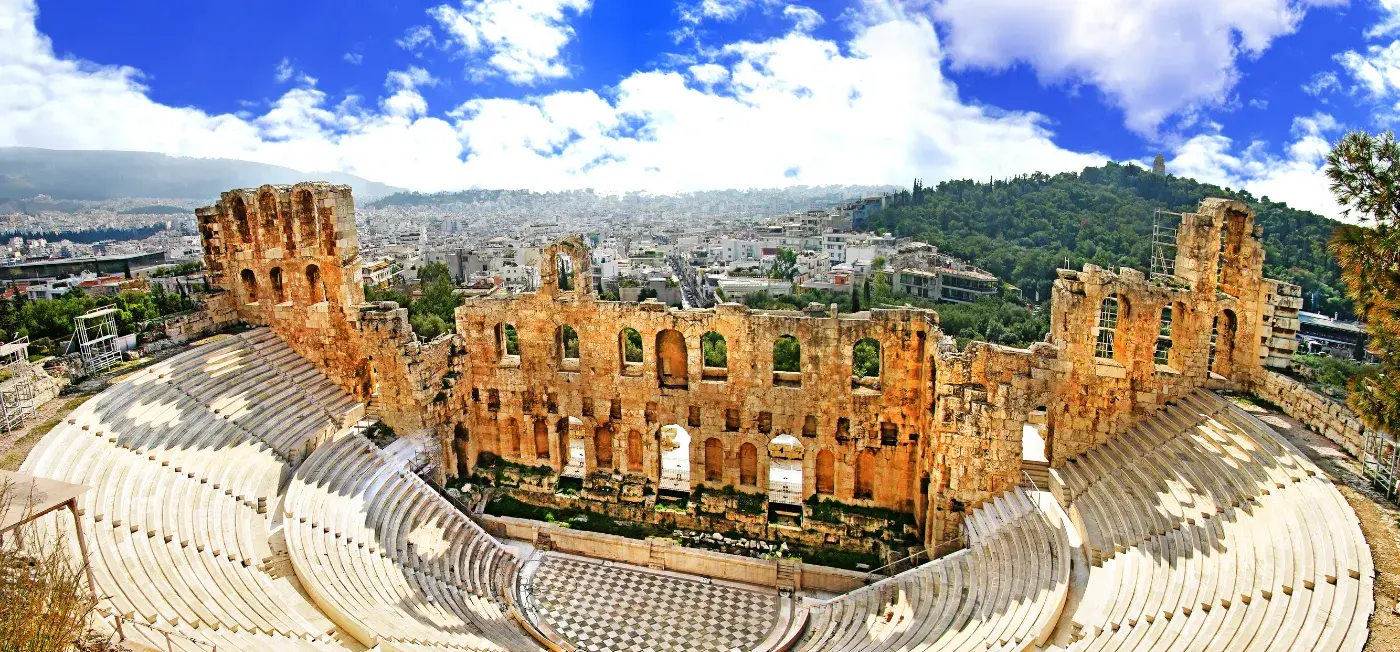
<point>49,322</point>
<point>433,311</point>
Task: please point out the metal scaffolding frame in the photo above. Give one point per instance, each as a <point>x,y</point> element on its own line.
<point>97,339</point>
<point>17,390</point>
<point>1164,232</point>
<point>1380,458</point>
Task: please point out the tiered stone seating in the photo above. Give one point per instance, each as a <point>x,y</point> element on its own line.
<point>176,515</point>
<point>1004,591</point>
<point>1208,531</point>
<point>391,560</point>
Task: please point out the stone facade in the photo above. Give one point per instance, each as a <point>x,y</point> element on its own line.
<point>1332,419</point>
<point>543,379</point>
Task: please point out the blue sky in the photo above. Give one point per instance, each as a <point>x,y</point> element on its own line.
<point>667,96</point>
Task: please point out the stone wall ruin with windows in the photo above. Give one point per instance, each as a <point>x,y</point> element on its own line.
<point>874,409</point>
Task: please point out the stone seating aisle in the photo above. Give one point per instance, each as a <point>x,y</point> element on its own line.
<point>1207,531</point>
<point>176,514</point>
<point>391,561</point>
<point>1004,591</point>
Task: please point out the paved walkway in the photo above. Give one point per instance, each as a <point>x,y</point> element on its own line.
<point>609,607</point>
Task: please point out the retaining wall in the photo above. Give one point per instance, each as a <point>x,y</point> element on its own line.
<point>1332,419</point>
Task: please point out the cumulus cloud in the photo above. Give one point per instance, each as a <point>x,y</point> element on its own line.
<point>1296,177</point>
<point>804,18</point>
<point>353,58</point>
<point>520,40</point>
<point>1321,84</point>
<point>284,71</point>
<point>790,110</point>
<point>1377,70</point>
<point>719,10</point>
<point>1390,19</point>
<point>1153,58</point>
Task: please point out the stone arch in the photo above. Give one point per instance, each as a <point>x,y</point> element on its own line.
<point>304,214</point>
<point>541,439</point>
<point>267,207</point>
<point>714,460</point>
<point>510,447</point>
<point>250,286</point>
<point>787,361</point>
<point>826,472</point>
<point>603,447</point>
<point>564,271</point>
<point>572,450</point>
<point>785,459</point>
<point>748,465</point>
<point>634,452</point>
<point>629,351</point>
<point>714,356</point>
<point>1106,328</point>
<point>567,346</point>
<point>865,474</point>
<point>671,362</point>
<point>240,220</point>
<point>866,361</point>
<point>1223,333</point>
<point>675,459</point>
<point>507,343</point>
<point>274,279</point>
<point>314,284</point>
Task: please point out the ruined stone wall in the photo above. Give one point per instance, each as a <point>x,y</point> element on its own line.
<point>1332,419</point>
<point>871,427</point>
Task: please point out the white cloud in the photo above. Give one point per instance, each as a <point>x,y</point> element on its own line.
<point>354,58</point>
<point>1297,177</point>
<point>1153,58</point>
<point>719,10</point>
<point>792,110</point>
<point>1322,83</point>
<point>1377,70</point>
<point>1390,19</point>
<point>518,39</point>
<point>284,71</point>
<point>416,37</point>
<point>805,19</point>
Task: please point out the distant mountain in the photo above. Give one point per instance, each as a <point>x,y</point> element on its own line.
<point>101,174</point>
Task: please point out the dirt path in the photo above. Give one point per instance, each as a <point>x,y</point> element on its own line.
<point>15,445</point>
<point>1380,520</point>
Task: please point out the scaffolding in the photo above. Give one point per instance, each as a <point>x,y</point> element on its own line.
<point>1165,225</point>
<point>17,397</point>
<point>97,339</point>
<point>1380,458</point>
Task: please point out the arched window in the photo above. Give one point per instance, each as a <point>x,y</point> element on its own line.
<point>603,447</point>
<point>809,426</point>
<point>865,363</point>
<point>541,439</point>
<point>1107,325</point>
<point>1222,338</point>
<point>507,344</point>
<point>274,277</point>
<point>564,267</point>
<point>462,443</point>
<point>250,286</point>
<point>511,446</point>
<point>787,362</point>
<point>304,209</point>
<point>267,205</point>
<point>671,359</point>
<point>1162,354</point>
<point>567,344</point>
<point>826,472</point>
<point>240,220</point>
<point>714,460</point>
<point>714,353</point>
<point>634,451</point>
<point>629,350</point>
<point>314,284</point>
<point>865,474</point>
<point>748,465</point>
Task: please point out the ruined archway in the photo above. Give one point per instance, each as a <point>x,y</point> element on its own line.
<point>1223,343</point>
<point>541,439</point>
<point>671,365</point>
<point>267,206</point>
<point>461,443</point>
<point>629,351</point>
<point>714,356</point>
<point>567,347</point>
<point>603,447</point>
<point>304,210</point>
<point>250,286</point>
<point>279,291</point>
<point>576,463</point>
<point>865,364</point>
<point>714,460</point>
<point>240,220</point>
<point>507,344</point>
<point>314,285</point>
<point>787,362</point>
<point>826,472</point>
<point>785,455</point>
<point>865,474</point>
<point>564,270</point>
<point>675,459</point>
<point>748,465</point>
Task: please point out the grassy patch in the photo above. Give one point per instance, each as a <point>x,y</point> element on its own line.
<point>570,517</point>
<point>16,454</point>
<point>837,558</point>
<point>830,511</point>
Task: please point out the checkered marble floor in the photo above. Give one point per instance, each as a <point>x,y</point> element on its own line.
<point>618,609</point>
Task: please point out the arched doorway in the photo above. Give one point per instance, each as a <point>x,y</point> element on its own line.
<point>675,459</point>
<point>826,472</point>
<point>785,454</point>
<point>462,447</point>
<point>671,364</point>
<point>634,452</point>
<point>748,465</point>
<point>541,439</point>
<point>865,474</point>
<point>603,447</point>
<point>1223,336</point>
<point>714,460</point>
<point>575,465</point>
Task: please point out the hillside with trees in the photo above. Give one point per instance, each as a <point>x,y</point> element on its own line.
<point>1022,229</point>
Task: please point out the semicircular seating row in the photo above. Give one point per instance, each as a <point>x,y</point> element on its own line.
<point>392,561</point>
<point>183,459</point>
<point>1004,591</point>
<point>1206,530</point>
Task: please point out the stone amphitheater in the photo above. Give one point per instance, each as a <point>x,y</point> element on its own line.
<point>235,502</point>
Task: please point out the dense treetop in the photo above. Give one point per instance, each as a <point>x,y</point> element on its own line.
<point>1022,229</point>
